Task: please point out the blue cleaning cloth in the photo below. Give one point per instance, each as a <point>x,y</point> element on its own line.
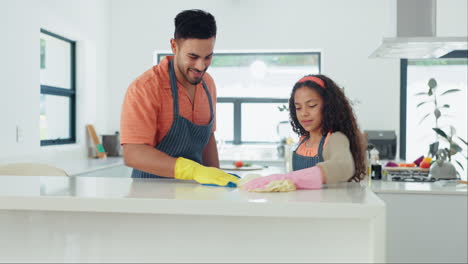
<point>230,184</point>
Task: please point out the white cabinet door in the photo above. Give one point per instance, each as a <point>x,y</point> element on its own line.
<point>426,228</point>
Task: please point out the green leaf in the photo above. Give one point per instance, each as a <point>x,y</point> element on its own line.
<point>282,108</point>
<point>445,106</point>
<point>454,148</point>
<point>453,131</point>
<point>432,83</point>
<point>424,118</point>
<point>450,91</point>
<point>437,113</point>
<point>440,132</point>
<point>463,140</point>
<point>460,164</point>
<point>433,148</point>
<point>447,154</point>
<point>425,102</point>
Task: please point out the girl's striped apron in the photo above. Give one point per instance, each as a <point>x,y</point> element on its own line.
<point>302,162</point>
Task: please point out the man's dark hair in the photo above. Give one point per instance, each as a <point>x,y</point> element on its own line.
<point>194,23</point>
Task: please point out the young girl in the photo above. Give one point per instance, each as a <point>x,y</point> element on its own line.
<point>330,148</point>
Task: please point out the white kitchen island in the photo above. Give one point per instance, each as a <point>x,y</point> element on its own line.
<point>116,219</point>
<point>426,221</point>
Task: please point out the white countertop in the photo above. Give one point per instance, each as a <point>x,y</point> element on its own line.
<point>169,196</point>
<point>438,187</point>
<point>71,165</point>
<point>81,166</point>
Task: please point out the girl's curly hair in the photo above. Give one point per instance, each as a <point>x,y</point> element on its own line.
<point>337,115</point>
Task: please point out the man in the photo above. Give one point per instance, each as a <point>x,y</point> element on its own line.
<point>168,114</point>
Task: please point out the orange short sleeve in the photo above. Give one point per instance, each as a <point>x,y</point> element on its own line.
<point>139,113</point>
<point>148,110</point>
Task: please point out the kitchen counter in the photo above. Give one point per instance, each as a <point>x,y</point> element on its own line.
<point>81,166</point>
<point>438,187</point>
<point>93,219</point>
<point>73,166</point>
<point>127,195</point>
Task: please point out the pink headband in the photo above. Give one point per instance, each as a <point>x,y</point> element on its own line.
<point>313,79</point>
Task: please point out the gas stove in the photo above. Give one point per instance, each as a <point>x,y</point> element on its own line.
<point>407,174</point>
<point>412,179</point>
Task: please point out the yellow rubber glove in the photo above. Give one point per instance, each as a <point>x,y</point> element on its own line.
<point>186,169</point>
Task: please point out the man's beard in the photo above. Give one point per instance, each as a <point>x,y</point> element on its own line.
<point>197,80</point>
<point>186,74</point>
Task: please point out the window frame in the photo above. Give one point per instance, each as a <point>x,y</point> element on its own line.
<point>239,101</point>
<point>461,54</point>
<point>64,92</point>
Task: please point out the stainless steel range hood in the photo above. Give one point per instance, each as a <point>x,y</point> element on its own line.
<point>415,27</point>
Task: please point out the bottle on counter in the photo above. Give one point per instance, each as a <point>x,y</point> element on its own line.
<point>290,146</point>
<point>375,167</point>
<point>374,156</point>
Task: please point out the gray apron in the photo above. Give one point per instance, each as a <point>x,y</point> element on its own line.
<point>300,162</point>
<point>184,139</point>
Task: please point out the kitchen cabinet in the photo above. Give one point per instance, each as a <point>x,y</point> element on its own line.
<point>426,222</point>
<point>119,219</point>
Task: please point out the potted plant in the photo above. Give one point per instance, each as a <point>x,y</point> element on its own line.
<point>441,166</point>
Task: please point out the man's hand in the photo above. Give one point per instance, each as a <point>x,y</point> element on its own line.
<point>186,169</point>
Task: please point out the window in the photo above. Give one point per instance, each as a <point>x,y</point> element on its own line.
<point>57,100</point>
<point>252,87</point>
<point>449,74</point>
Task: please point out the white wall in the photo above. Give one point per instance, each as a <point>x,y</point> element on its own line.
<point>85,21</point>
<point>346,31</point>
<point>452,18</point>
<point>116,40</point>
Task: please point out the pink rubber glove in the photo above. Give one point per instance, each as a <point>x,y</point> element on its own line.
<point>310,178</point>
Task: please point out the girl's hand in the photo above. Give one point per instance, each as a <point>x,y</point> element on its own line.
<point>262,182</point>
<point>310,178</point>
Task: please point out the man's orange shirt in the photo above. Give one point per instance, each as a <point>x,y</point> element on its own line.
<point>147,110</point>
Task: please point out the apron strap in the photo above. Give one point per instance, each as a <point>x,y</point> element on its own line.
<point>209,100</point>
<point>320,148</point>
<point>175,93</point>
<point>304,140</point>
